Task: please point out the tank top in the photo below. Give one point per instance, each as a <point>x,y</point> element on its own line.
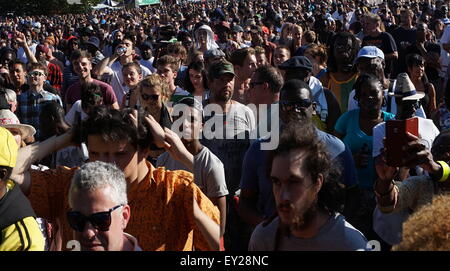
<point>342,89</point>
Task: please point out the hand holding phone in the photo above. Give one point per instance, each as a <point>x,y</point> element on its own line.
<point>397,139</point>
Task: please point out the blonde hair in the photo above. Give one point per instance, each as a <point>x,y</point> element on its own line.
<point>428,228</point>
<point>156,81</point>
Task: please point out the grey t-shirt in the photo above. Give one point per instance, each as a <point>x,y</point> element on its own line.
<point>336,235</point>
<point>208,172</point>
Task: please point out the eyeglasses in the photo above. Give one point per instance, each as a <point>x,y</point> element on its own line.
<point>36,73</point>
<point>101,221</point>
<point>253,84</point>
<point>146,97</point>
<point>297,105</point>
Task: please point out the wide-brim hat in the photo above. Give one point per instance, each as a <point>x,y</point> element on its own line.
<point>9,120</point>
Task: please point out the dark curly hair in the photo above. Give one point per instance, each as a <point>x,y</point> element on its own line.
<point>303,136</point>
<point>364,79</point>
<point>197,66</point>
<point>114,125</point>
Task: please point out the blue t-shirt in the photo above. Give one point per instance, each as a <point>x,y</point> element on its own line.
<point>254,169</point>
<point>355,138</point>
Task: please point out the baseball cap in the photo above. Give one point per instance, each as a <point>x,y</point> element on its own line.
<point>296,62</point>
<point>405,89</point>
<point>370,52</point>
<point>220,68</point>
<point>213,53</point>
<point>8,149</point>
<point>237,29</point>
<point>94,41</point>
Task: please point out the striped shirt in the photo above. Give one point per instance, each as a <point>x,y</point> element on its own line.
<point>29,107</point>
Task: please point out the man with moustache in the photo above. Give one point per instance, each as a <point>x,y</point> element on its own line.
<point>226,133</point>
<point>306,197</point>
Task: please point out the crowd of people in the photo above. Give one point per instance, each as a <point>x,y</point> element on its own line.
<point>227,125</point>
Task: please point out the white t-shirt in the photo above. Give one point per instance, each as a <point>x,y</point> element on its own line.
<point>427,132</point>
<point>209,172</point>
<point>70,116</point>
<point>445,56</point>
<point>117,83</point>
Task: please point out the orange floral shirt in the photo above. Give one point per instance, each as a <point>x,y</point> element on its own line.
<point>161,207</point>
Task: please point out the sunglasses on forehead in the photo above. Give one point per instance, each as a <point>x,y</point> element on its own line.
<point>146,97</point>
<point>100,221</point>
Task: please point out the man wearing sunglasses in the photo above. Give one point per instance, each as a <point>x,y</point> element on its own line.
<point>328,111</point>
<point>30,102</point>
<point>99,209</point>
<point>256,199</point>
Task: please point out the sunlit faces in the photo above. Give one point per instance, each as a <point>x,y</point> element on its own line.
<point>247,69</point>
<point>121,153</point>
<point>294,190</point>
<point>36,77</point>
<point>202,37</point>
<point>280,55</point>
<point>196,78</point>
<point>167,73</point>
<point>18,74</point>
<point>91,202</point>
<point>150,97</point>
<point>131,76</point>
<point>371,96</point>
<point>82,67</point>
<point>222,87</point>
<point>129,45</point>
<point>191,122</point>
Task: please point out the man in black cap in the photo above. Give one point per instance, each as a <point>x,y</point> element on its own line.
<point>327,107</point>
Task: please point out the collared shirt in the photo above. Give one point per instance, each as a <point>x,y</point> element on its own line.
<point>161,207</point>
<point>134,241</point>
<point>30,106</point>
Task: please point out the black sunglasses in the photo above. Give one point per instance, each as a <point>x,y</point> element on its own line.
<point>297,105</point>
<point>146,97</point>
<point>253,84</point>
<point>101,221</point>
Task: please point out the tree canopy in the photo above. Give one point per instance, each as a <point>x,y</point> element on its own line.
<point>44,7</point>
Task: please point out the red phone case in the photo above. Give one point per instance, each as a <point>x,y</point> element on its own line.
<point>396,138</point>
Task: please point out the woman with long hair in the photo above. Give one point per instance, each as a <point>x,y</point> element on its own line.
<point>416,70</point>
<point>196,80</point>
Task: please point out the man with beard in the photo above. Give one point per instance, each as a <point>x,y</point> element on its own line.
<point>306,197</point>
<point>227,129</point>
<point>341,75</point>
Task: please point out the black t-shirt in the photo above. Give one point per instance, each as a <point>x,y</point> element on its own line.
<point>403,39</point>
<point>384,41</point>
